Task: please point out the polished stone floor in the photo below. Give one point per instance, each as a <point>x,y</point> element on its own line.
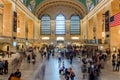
<point>52,70</point>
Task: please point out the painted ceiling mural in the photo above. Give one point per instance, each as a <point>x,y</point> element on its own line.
<point>32,4</point>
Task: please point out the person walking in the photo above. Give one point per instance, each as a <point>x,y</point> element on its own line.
<point>59,58</point>
<point>28,58</point>
<point>72,74</point>
<point>39,73</point>
<point>117,65</point>
<point>84,70</point>
<point>6,67</point>
<point>71,58</point>
<point>33,58</point>
<point>42,71</point>
<point>67,74</point>
<point>113,64</point>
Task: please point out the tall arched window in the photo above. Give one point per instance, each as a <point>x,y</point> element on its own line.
<point>75,25</point>
<point>29,7</point>
<point>45,25</point>
<point>23,1</point>
<point>60,24</point>
<point>98,1</point>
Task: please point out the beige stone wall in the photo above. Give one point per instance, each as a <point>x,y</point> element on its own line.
<point>7,20</point>
<point>95,18</point>
<point>90,29</point>
<point>1,23</point>
<point>21,25</point>
<point>115,8</point>
<point>1,17</point>
<point>27,21</point>
<point>84,30</point>
<point>30,29</point>
<point>99,24</point>
<point>115,31</point>
<point>36,30</point>
<point>4,47</point>
<point>115,39</point>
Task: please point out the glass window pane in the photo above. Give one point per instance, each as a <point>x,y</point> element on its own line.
<point>23,1</point>
<point>45,25</point>
<point>60,24</point>
<point>75,25</point>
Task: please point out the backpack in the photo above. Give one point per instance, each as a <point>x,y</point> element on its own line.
<point>73,74</point>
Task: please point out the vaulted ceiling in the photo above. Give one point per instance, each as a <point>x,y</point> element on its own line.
<point>80,7</point>
<point>37,2</point>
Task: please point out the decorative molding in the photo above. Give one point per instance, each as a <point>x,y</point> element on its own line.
<point>97,9</point>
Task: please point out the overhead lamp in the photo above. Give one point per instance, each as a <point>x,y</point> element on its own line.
<point>103,34</point>
<point>75,38</point>
<point>1,38</point>
<point>45,38</point>
<point>18,30</point>
<point>60,38</point>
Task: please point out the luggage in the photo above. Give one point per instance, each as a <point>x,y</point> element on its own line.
<point>14,78</point>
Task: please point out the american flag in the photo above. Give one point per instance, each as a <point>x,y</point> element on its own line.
<point>115,20</point>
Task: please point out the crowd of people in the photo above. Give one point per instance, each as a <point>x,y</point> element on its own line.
<point>68,73</point>
<point>91,65</point>
<point>116,61</point>
<point>3,67</point>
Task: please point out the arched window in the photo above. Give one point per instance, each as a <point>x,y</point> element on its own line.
<point>45,25</point>
<point>91,7</point>
<point>29,7</point>
<point>98,1</point>
<point>23,1</point>
<point>75,25</point>
<point>60,24</point>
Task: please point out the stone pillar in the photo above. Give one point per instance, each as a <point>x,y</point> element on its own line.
<point>1,20</point>
<point>53,36</point>
<point>67,37</point>
<point>26,32</point>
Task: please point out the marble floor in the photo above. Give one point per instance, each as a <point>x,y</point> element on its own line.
<point>52,70</point>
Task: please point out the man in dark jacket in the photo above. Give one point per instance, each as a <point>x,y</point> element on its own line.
<point>17,73</point>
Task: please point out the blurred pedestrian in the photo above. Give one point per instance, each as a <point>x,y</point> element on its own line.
<point>72,74</point>
<point>6,67</point>
<point>1,67</point>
